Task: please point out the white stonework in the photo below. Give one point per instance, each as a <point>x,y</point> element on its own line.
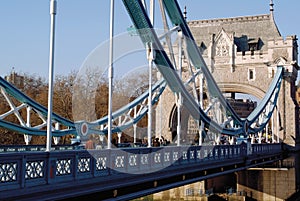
<point>242,54</point>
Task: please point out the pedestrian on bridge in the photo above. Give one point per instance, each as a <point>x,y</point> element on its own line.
<point>90,143</point>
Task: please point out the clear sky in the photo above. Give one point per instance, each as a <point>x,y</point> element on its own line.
<point>81,25</point>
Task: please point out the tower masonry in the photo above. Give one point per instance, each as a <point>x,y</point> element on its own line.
<point>242,54</point>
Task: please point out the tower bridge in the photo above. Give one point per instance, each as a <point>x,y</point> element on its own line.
<point>242,54</point>
<point>207,59</point>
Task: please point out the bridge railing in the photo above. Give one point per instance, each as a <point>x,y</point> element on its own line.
<point>266,148</point>
<point>25,169</point>
<point>22,148</point>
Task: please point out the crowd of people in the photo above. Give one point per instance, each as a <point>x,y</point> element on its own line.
<point>94,143</point>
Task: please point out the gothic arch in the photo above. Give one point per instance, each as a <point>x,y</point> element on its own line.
<point>173,122</point>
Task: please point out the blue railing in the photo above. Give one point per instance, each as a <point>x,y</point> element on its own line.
<point>23,148</point>
<point>19,170</point>
<point>265,148</point>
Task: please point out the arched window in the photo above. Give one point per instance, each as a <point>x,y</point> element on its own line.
<point>251,74</point>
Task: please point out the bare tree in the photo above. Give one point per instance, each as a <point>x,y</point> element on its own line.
<point>62,96</point>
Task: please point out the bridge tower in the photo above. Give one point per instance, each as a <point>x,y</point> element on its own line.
<point>242,54</point>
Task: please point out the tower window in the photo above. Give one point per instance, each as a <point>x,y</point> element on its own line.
<point>251,74</point>
<point>253,45</point>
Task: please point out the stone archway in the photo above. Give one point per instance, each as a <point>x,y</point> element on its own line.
<point>173,122</point>
<point>242,88</point>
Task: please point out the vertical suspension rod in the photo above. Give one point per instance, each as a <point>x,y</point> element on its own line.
<point>277,125</point>
<point>53,5</point>
<point>150,56</point>
<point>166,27</point>
<point>179,97</point>
<point>134,125</point>
<point>152,8</point>
<point>201,105</point>
<point>110,73</point>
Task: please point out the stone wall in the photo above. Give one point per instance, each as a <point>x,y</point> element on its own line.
<point>267,184</point>
<point>249,72</point>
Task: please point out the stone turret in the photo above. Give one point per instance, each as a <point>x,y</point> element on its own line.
<point>243,54</point>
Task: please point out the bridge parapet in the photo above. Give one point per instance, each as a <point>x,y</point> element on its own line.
<point>38,170</point>
<point>266,148</point>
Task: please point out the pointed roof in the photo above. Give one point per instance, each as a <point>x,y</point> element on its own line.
<point>245,28</point>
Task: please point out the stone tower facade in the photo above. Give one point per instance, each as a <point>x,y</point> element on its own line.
<point>243,53</point>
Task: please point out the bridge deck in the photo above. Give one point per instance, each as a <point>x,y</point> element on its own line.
<point>122,173</point>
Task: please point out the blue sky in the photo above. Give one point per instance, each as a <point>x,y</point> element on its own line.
<point>81,25</point>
